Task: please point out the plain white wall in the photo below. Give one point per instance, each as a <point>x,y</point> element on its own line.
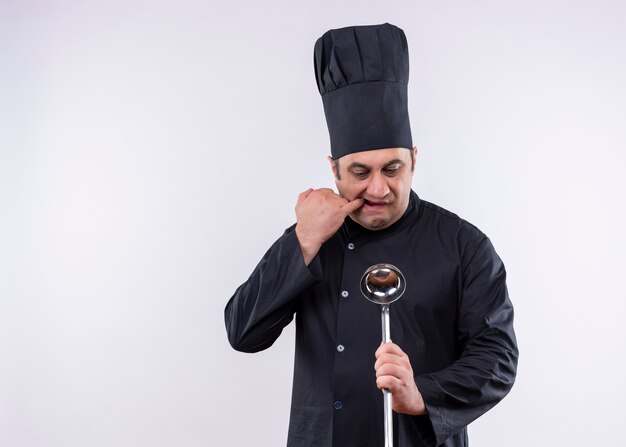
<point>151,151</point>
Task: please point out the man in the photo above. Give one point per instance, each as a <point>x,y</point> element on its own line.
<point>454,353</point>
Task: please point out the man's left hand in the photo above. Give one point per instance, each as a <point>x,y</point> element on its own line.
<point>394,372</point>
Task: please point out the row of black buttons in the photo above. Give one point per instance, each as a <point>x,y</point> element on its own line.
<point>340,348</point>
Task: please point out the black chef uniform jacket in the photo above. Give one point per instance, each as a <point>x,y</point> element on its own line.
<point>454,321</point>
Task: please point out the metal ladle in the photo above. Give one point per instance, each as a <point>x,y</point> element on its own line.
<point>383,284</point>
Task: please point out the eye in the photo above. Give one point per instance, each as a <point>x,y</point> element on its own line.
<point>360,173</point>
<point>391,171</point>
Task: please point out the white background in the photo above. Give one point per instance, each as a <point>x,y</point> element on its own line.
<point>151,151</point>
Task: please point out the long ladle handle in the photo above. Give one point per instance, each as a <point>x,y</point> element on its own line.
<point>386,393</point>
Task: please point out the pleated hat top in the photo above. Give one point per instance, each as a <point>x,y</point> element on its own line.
<point>362,73</point>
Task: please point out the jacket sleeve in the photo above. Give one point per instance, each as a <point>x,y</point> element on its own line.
<point>262,306</point>
<point>485,371</point>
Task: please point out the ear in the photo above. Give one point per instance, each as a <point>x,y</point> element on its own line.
<point>333,166</point>
<point>414,156</point>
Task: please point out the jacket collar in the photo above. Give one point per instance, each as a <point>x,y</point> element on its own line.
<point>353,230</point>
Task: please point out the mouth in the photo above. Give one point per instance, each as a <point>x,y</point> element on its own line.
<point>374,203</point>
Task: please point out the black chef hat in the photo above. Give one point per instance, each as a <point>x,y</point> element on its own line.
<point>362,73</point>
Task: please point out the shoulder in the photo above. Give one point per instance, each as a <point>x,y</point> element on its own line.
<point>448,221</point>
<point>455,234</point>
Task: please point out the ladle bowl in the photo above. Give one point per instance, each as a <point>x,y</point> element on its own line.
<point>383,284</point>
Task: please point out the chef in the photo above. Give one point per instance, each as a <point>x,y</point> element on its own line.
<point>453,354</point>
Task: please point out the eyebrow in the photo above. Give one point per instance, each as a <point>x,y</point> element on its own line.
<point>357,165</point>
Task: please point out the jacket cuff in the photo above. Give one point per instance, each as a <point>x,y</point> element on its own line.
<point>441,430</point>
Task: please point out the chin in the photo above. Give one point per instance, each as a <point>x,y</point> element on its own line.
<point>373,224</point>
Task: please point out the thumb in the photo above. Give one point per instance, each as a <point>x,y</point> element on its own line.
<point>352,206</point>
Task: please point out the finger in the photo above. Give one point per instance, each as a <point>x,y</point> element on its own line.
<point>325,194</point>
<point>389,348</point>
<point>304,195</point>
<point>352,206</point>
<point>328,190</point>
<point>388,383</point>
<point>389,369</point>
<point>392,359</point>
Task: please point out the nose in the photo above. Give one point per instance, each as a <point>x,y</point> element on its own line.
<point>377,186</point>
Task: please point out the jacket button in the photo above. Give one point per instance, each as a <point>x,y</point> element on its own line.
<point>345,294</point>
<point>350,246</point>
<point>340,348</point>
<point>338,405</point>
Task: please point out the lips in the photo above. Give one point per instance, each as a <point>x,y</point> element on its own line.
<point>375,202</point>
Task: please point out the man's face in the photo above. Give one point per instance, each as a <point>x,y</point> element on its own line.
<point>382,178</point>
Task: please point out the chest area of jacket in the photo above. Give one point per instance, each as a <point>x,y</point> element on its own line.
<point>431,270</point>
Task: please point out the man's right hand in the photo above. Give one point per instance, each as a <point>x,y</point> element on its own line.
<point>320,213</point>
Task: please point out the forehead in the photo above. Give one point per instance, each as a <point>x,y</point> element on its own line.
<point>376,157</point>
